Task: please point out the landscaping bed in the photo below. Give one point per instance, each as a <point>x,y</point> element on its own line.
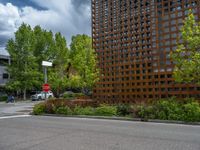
<point>187,110</point>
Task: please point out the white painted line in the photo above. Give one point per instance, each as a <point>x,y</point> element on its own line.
<point>16,116</point>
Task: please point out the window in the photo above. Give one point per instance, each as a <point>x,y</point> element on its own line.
<point>5,76</point>
<point>3,62</point>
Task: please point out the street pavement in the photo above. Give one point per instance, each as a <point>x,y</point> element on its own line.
<point>18,108</point>
<point>60,133</point>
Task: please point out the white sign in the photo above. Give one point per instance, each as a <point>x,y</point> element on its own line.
<point>46,63</point>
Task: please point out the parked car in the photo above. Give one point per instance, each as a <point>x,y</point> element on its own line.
<point>40,95</point>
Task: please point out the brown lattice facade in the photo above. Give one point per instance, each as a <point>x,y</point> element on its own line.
<point>133,40</point>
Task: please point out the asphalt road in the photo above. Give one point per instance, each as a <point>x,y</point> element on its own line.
<point>57,133</point>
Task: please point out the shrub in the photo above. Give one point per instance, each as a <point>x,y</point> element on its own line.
<point>105,110</point>
<point>53,104</point>
<point>146,112</point>
<point>79,94</point>
<point>192,112</point>
<point>168,109</point>
<point>64,110</point>
<point>83,110</point>
<point>3,98</point>
<point>68,95</point>
<point>72,95</point>
<point>39,109</point>
<point>123,109</point>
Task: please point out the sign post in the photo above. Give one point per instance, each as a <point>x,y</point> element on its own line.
<point>46,86</point>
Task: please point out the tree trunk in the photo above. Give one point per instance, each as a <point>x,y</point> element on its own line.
<point>24,92</point>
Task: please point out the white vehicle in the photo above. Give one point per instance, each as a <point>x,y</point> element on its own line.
<point>40,95</point>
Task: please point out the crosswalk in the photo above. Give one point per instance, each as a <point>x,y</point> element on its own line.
<point>15,110</point>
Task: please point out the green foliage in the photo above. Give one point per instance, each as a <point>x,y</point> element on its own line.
<point>168,109</point>
<point>165,109</point>
<point>28,49</point>
<point>187,55</point>
<point>192,112</point>
<point>39,109</point>
<point>145,112</point>
<point>171,109</point>
<point>106,110</point>
<point>72,95</point>
<point>83,110</point>
<point>75,81</point>
<point>123,109</point>
<point>23,69</point>
<point>68,95</point>
<point>74,68</point>
<point>58,76</point>
<point>3,98</point>
<point>84,61</point>
<point>64,110</point>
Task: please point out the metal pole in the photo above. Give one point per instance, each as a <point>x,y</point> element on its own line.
<point>45,79</point>
<point>45,74</point>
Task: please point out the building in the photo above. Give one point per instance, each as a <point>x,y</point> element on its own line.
<point>4,60</point>
<point>133,40</point>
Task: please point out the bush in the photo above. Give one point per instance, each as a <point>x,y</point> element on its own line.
<point>68,95</point>
<point>105,110</point>
<point>165,109</point>
<point>83,111</point>
<point>168,110</point>
<point>192,112</point>
<point>3,98</point>
<point>79,94</point>
<point>123,109</point>
<point>52,105</point>
<point>64,110</point>
<point>71,95</point>
<point>146,112</point>
<point>39,109</point>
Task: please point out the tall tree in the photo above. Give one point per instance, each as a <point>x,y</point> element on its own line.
<point>187,55</point>
<point>84,61</point>
<point>58,76</point>
<point>27,50</point>
<point>23,68</point>
<point>44,49</point>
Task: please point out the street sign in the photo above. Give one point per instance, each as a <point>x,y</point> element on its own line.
<point>46,87</point>
<point>46,63</point>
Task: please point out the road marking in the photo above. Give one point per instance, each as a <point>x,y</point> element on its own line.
<point>16,116</point>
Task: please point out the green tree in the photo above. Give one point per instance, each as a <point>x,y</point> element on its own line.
<point>58,76</point>
<point>23,68</point>
<point>187,55</point>
<point>44,49</point>
<point>84,61</point>
<point>27,50</point>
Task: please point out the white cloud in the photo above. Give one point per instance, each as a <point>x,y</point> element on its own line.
<point>9,18</point>
<point>58,16</point>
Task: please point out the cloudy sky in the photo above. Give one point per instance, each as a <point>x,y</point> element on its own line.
<point>70,17</point>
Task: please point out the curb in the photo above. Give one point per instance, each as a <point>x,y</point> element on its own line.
<point>124,119</point>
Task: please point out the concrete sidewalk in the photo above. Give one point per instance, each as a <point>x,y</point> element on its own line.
<point>22,107</point>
